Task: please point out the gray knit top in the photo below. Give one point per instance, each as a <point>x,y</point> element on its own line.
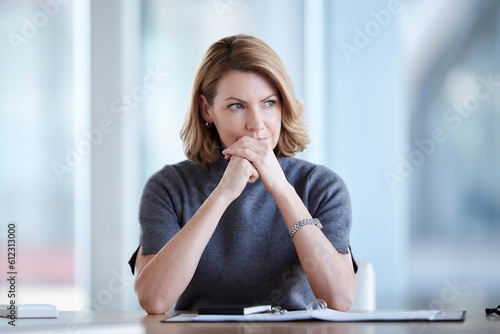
<point>250,258</point>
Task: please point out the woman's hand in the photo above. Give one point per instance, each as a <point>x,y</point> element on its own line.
<point>238,173</point>
<point>262,158</point>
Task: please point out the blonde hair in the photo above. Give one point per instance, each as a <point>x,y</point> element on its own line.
<point>246,54</point>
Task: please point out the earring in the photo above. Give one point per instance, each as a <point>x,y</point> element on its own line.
<point>208,125</point>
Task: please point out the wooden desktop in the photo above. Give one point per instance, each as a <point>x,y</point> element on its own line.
<point>476,322</point>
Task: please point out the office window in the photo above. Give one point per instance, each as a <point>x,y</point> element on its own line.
<point>36,130</point>
<point>393,74</point>
<point>454,157</point>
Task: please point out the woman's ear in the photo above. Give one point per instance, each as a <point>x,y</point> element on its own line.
<point>204,107</point>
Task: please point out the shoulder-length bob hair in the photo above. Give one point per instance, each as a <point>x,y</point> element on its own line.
<point>246,54</point>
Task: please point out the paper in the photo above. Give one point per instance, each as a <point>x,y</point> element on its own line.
<point>325,315</point>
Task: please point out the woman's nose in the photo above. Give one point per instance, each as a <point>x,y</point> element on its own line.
<point>255,121</point>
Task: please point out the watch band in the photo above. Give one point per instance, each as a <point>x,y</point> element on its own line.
<point>303,223</point>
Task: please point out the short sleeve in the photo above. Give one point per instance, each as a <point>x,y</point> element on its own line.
<point>328,200</point>
<point>158,217</point>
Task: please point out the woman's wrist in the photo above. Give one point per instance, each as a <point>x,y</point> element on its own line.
<point>281,189</point>
<point>224,195</point>
<point>291,206</point>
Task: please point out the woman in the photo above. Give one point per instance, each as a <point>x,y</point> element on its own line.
<point>216,229</point>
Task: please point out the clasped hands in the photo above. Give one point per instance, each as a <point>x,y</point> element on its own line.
<point>249,159</point>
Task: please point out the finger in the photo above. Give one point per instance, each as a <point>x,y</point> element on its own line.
<point>255,175</point>
<point>245,153</point>
<point>248,143</point>
<point>249,169</point>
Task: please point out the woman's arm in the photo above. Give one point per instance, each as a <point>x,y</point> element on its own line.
<point>161,278</point>
<point>330,273</point>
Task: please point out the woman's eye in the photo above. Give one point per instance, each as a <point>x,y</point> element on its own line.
<point>269,103</point>
<point>235,106</point>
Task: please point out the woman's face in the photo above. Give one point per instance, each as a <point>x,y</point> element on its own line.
<point>245,104</point>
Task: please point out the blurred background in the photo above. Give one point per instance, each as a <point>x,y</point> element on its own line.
<point>402,99</point>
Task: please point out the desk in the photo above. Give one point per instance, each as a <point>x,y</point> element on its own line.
<point>138,322</point>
